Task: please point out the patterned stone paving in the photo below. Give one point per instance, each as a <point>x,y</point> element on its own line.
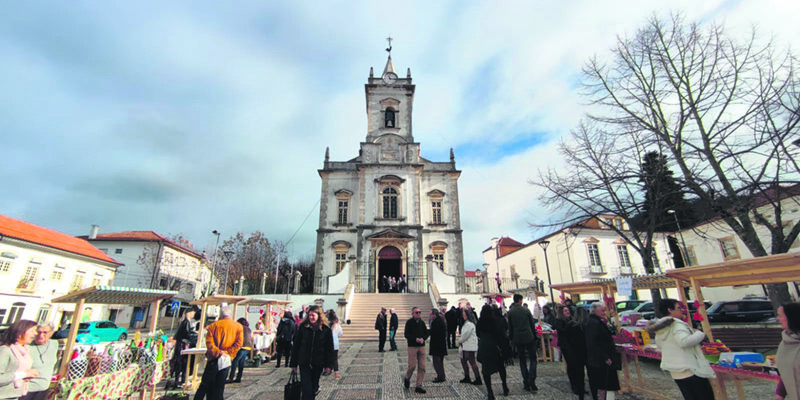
<point>367,374</point>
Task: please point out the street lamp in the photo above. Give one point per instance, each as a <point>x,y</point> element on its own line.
<point>543,244</point>
<point>213,263</point>
<point>684,254</point>
<point>228,254</point>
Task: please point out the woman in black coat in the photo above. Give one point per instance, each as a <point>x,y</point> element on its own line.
<point>493,349</point>
<point>601,352</point>
<point>185,338</point>
<point>312,350</point>
<point>438,344</point>
<point>572,343</point>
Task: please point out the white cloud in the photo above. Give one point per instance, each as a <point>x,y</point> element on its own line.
<point>233,104</point>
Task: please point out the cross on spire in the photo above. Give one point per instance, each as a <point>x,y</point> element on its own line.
<point>389,40</point>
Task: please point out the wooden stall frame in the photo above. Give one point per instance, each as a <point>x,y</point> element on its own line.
<point>215,300</point>
<point>752,271</point>
<point>269,303</point>
<point>108,295</point>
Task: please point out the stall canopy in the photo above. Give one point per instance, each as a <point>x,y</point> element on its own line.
<point>752,271</point>
<point>107,295</point>
<point>115,295</point>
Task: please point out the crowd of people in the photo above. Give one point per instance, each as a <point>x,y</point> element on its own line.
<point>310,345</point>
<point>391,284</point>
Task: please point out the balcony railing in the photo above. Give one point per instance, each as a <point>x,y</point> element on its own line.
<point>26,285</point>
<point>593,270</point>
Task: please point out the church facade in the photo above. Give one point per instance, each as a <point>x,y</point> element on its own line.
<point>388,212</point>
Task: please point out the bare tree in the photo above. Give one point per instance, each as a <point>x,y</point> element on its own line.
<point>724,110</point>
<point>603,176</point>
<point>250,257</point>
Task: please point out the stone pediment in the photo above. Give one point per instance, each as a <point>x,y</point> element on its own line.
<point>389,234</point>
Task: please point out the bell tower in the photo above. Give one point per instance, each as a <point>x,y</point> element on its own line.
<point>390,101</point>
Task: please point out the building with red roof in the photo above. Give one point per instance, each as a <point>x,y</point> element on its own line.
<point>38,264</point>
<point>154,261</point>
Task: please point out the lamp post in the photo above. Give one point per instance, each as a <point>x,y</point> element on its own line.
<point>228,254</point>
<point>213,262</point>
<point>683,243</point>
<point>543,244</point>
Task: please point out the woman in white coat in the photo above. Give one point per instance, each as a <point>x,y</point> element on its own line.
<point>468,347</point>
<point>680,351</point>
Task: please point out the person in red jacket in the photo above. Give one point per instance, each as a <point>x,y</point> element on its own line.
<point>224,338</point>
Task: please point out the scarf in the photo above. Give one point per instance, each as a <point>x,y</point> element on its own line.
<point>25,362</point>
<point>788,361</point>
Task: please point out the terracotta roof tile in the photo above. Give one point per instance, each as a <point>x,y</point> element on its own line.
<point>21,230</point>
<point>142,236</point>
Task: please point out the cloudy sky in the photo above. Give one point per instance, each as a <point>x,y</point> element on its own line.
<point>187,116</point>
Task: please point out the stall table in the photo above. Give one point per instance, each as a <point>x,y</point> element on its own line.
<point>98,385</point>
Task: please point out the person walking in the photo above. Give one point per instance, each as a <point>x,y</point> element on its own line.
<point>393,325</point>
<point>493,349</point>
<point>243,354</point>
<point>468,346</point>
<point>522,332</point>
<point>380,326</point>
<point>185,338</point>
<point>224,338</point>
<point>336,332</point>
<point>16,362</point>
<point>312,352</point>
<point>680,349</point>
<point>572,343</point>
<point>438,344</point>
<point>600,354</point>
<point>499,282</point>
<point>451,317</point>
<point>415,332</point>
<point>788,356</point>
<point>284,336</point>
<point>44,356</point>
<point>402,284</point>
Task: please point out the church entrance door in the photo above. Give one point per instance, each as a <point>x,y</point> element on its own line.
<point>390,265</point>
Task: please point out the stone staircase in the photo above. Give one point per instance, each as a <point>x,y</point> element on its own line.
<point>366,307</point>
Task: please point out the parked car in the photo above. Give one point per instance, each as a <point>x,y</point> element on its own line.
<point>628,305</point>
<point>692,310</point>
<point>106,331</point>
<point>630,317</point>
<point>741,311</point>
<point>585,303</point>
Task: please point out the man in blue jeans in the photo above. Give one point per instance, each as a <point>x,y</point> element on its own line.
<point>522,332</point>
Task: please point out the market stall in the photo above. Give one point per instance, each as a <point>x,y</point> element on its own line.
<point>192,380</point>
<point>607,288</point>
<point>263,339</point>
<point>102,375</point>
<point>754,271</point>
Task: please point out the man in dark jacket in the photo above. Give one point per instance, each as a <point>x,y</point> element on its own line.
<point>522,331</point>
<point>393,325</point>
<point>438,347</point>
<point>416,332</point>
<point>380,326</point>
<point>451,317</point>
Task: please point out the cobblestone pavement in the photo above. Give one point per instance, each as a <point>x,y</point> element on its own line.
<point>367,374</point>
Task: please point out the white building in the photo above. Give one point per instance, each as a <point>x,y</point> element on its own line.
<point>714,241</point>
<point>38,264</point>
<point>156,262</point>
<point>388,210</point>
<point>582,252</point>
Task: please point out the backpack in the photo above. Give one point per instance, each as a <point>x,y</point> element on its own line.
<point>285,331</point>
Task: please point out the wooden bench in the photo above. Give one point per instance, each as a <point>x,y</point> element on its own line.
<point>760,338</point>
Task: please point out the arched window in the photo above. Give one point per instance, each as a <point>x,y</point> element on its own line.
<point>15,314</point>
<point>389,120</point>
<point>389,197</point>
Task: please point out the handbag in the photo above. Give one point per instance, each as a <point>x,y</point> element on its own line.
<point>291,391</point>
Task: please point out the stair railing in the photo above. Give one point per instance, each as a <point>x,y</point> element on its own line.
<point>348,296</point>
